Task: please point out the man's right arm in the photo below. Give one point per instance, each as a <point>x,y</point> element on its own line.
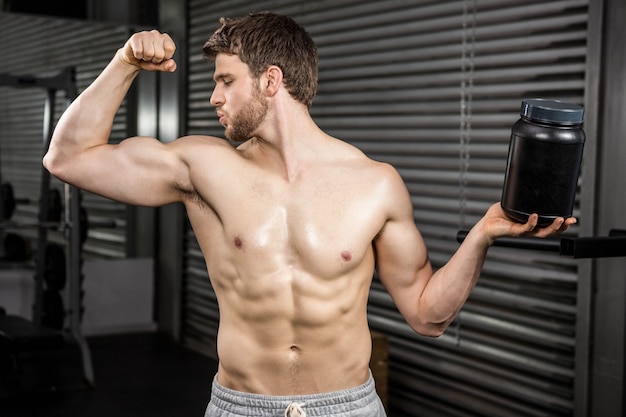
<point>140,170</point>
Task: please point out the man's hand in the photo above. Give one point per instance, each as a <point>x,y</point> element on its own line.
<point>497,224</point>
<point>151,51</point>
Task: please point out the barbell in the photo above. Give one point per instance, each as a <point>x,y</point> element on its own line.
<point>8,202</point>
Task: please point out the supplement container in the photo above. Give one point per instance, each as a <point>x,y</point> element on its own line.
<point>545,153</point>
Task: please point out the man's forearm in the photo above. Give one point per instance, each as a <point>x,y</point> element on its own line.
<point>89,119</point>
<point>449,287</point>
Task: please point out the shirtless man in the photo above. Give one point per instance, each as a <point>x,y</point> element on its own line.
<point>291,223</point>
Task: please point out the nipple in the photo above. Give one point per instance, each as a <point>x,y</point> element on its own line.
<point>346,256</point>
<point>238,242</point>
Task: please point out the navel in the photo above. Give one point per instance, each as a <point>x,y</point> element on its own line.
<point>346,256</point>
<point>295,364</point>
<point>238,242</point>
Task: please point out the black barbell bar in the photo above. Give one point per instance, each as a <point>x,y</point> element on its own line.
<point>54,225</point>
<point>8,202</point>
<point>611,246</point>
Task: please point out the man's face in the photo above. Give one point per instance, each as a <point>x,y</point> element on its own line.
<point>238,100</point>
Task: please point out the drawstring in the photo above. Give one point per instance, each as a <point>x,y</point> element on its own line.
<point>295,410</point>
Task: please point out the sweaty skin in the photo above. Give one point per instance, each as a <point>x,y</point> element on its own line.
<point>291,262</point>
<point>291,223</point>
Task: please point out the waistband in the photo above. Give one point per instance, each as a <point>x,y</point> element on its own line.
<point>324,404</point>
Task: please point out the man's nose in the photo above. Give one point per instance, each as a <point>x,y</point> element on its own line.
<point>216,98</point>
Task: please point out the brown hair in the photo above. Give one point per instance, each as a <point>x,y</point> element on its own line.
<point>262,39</point>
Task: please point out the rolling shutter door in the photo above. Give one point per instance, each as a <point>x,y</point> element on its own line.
<point>42,47</point>
<point>434,88</point>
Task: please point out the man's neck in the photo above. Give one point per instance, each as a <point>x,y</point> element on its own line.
<point>287,142</point>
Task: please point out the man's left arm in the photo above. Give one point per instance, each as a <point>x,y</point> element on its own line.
<point>429,301</point>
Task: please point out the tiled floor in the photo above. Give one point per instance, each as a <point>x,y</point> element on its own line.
<point>136,375</point>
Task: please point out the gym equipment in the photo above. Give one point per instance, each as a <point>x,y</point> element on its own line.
<point>55,208</point>
<point>8,201</point>
<point>53,310</point>
<point>55,211</point>
<point>21,336</point>
<point>16,248</point>
<point>38,225</point>
<point>55,271</point>
<point>572,247</point>
<point>84,224</point>
<point>60,224</point>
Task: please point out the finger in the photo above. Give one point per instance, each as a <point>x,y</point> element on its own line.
<point>169,66</point>
<point>569,222</point>
<point>155,51</point>
<point>531,223</point>
<point>137,48</point>
<point>162,50</point>
<point>147,51</point>
<point>168,46</point>
<point>162,47</point>
<point>558,225</point>
<point>165,66</point>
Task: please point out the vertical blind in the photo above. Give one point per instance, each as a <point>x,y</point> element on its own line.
<point>42,47</point>
<point>433,87</point>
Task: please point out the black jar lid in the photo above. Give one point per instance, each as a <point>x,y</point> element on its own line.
<point>552,111</point>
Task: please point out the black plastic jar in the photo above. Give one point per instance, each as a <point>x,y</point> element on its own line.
<point>545,154</point>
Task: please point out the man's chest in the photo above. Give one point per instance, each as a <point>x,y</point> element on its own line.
<point>318,224</point>
<point>309,223</point>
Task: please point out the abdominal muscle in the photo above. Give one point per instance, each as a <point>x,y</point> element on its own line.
<point>292,273</point>
<point>291,333</point>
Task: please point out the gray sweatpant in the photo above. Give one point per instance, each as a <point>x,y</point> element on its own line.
<point>361,401</point>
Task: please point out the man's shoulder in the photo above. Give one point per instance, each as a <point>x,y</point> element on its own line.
<point>381,169</point>
<point>379,175</point>
<point>349,151</point>
<point>203,146</point>
<point>201,140</point>
<point>367,173</point>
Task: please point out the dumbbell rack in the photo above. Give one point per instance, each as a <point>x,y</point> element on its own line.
<point>64,81</point>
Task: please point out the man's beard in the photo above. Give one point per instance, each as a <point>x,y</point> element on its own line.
<point>245,123</point>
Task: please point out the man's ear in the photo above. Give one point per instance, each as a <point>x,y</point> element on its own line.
<point>273,79</point>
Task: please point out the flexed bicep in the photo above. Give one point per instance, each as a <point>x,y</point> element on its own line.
<point>138,171</point>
